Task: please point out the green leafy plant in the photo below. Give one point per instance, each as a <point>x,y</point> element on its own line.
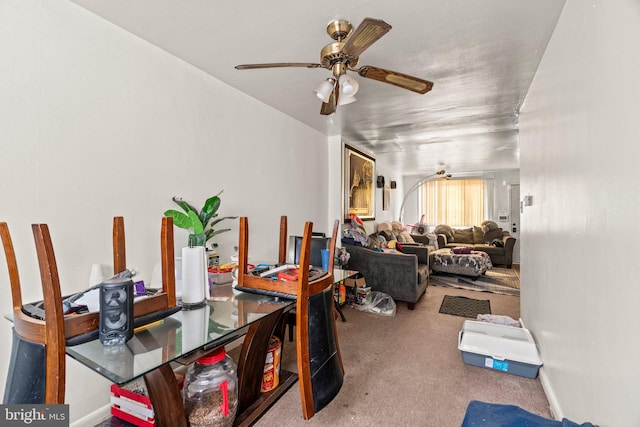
<point>200,223</point>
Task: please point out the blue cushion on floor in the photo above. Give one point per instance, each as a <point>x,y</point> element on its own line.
<point>481,414</point>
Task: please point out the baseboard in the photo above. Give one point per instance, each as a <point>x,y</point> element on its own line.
<point>551,397</point>
<point>554,407</point>
<point>94,418</point>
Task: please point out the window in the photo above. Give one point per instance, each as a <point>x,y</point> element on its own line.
<point>457,202</point>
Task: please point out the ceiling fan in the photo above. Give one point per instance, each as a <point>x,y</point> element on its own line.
<point>342,56</point>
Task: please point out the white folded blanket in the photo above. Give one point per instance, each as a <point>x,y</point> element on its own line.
<point>499,319</point>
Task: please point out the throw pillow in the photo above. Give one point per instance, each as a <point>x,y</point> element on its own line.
<point>384,226</point>
<point>405,237</point>
<point>463,235</point>
<point>446,230</point>
<point>396,226</point>
<point>489,236</point>
<point>478,235</point>
<point>488,225</point>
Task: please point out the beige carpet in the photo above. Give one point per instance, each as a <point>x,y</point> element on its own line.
<point>497,280</point>
<point>407,370</point>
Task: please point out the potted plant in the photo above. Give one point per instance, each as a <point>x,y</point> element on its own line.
<point>200,223</point>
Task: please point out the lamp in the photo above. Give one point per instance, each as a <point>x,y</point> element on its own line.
<point>348,85</point>
<point>325,89</point>
<point>440,174</point>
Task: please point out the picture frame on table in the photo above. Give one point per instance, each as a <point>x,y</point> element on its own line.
<point>359,184</point>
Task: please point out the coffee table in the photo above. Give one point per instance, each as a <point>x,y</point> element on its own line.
<point>474,264</point>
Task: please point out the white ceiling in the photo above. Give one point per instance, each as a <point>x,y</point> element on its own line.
<point>481,56</point>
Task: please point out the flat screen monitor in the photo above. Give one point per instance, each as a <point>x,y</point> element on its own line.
<point>317,244</point>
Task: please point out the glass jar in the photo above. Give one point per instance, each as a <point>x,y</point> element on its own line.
<point>210,391</point>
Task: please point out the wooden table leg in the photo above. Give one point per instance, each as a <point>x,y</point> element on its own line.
<point>165,397</point>
<point>251,402</point>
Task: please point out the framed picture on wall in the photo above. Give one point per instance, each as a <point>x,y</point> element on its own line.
<point>359,184</point>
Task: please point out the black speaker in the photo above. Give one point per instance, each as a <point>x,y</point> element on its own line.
<point>380,181</point>
<point>116,311</point>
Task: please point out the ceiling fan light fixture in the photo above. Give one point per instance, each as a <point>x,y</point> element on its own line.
<point>348,85</point>
<point>325,89</point>
<point>344,100</point>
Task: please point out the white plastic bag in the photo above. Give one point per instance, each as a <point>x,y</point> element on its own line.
<point>378,303</point>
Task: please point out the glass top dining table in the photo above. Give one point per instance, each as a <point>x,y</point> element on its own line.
<point>225,317</point>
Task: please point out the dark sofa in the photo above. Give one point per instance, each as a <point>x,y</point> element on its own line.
<point>402,275</point>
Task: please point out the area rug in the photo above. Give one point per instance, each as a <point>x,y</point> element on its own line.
<point>497,280</point>
<point>464,307</point>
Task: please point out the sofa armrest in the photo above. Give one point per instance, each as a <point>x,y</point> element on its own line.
<point>419,238</point>
<point>442,241</point>
<point>422,252</point>
<point>509,242</point>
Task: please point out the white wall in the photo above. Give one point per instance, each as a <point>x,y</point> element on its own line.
<point>579,139</point>
<point>389,173</point>
<point>96,123</point>
<point>498,190</point>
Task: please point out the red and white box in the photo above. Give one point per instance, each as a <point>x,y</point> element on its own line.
<point>132,406</point>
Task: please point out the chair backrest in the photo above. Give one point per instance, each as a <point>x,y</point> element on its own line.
<point>166,255</point>
<point>320,369</point>
<point>37,367</point>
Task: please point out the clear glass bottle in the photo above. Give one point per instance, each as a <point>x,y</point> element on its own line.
<point>210,391</point>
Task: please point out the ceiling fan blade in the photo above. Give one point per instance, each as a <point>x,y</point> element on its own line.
<point>367,33</point>
<point>330,106</point>
<point>277,65</point>
<point>398,79</point>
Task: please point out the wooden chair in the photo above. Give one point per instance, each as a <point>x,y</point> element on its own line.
<point>37,367</point>
<point>44,341</point>
<point>320,369</point>
<point>317,243</point>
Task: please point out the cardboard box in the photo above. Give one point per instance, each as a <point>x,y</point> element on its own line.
<point>352,285</point>
<point>361,294</point>
<point>503,348</point>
